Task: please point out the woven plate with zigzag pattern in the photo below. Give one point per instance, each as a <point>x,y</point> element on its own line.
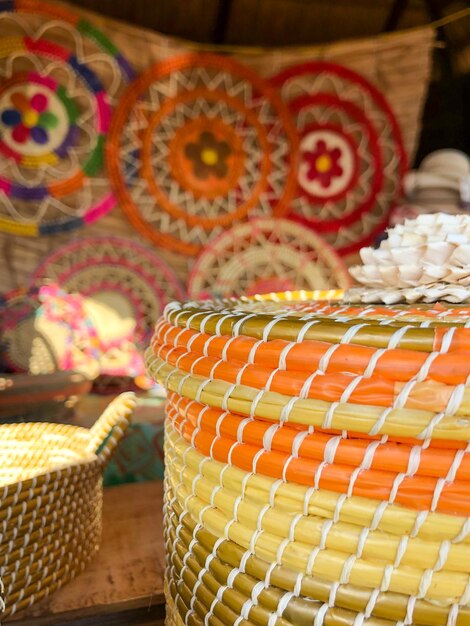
<point>200,142</point>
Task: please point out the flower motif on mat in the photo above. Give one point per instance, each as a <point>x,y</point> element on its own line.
<point>208,156</point>
<point>323,163</point>
<point>29,118</point>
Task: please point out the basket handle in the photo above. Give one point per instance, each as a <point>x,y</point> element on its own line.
<point>109,428</point>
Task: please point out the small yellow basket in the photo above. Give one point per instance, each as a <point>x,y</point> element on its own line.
<point>51,500</point>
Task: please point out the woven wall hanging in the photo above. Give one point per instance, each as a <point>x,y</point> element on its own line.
<point>126,281</point>
<point>398,65</point>
<point>197,143</point>
<point>351,157</point>
<point>266,255</point>
<point>59,79</point>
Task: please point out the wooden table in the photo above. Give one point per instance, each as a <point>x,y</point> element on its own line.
<point>123,585</point>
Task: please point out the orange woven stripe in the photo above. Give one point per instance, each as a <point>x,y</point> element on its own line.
<point>415,492</point>
<point>65,187</point>
<point>450,368</point>
<point>56,11</point>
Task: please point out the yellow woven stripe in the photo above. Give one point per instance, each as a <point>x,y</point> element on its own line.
<point>270,406</point>
<point>8,45</point>
<point>447,587</point>
<point>290,497</point>
<point>16,228</point>
<point>36,161</point>
<point>322,295</point>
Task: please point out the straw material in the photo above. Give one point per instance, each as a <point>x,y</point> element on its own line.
<point>27,343</point>
<point>324,143</point>
<point>323,563</point>
<point>214,565</point>
<point>217,147</point>
<point>50,513</point>
<point>371,420</point>
<point>123,287</point>
<point>288,323</point>
<point>198,173</point>
<point>218,557</point>
<point>266,255</point>
<point>352,155</point>
<point>317,464</point>
<point>269,542</point>
<point>313,472</point>
<point>397,64</point>
<point>53,179</point>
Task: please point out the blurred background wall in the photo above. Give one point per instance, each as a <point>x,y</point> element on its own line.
<point>292,22</point>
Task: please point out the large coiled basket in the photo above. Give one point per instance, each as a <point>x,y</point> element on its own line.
<point>317,465</point>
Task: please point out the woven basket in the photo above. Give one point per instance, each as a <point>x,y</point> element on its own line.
<point>51,500</point>
<point>317,465</point>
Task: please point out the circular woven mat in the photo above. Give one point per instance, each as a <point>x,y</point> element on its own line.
<point>266,255</point>
<point>59,80</point>
<point>127,285</point>
<point>199,142</point>
<point>351,153</point>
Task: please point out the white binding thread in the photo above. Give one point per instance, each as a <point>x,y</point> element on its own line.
<point>305,328</point>
<point>252,353</point>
